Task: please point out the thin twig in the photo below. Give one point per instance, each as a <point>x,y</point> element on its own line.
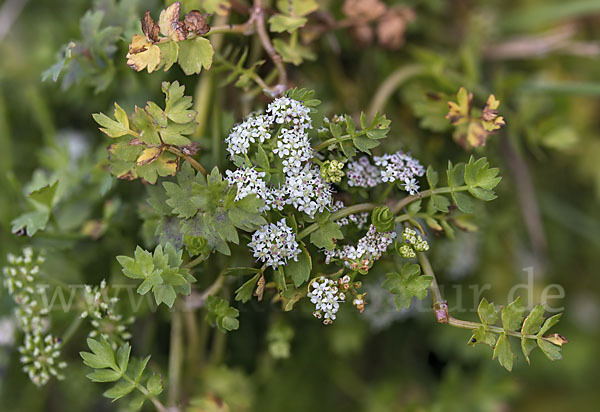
<point>259,19</point>
<point>193,162</point>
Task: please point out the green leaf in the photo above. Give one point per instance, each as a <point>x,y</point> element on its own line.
<point>551,351</point>
<point>324,236</point>
<point>179,194</point>
<point>551,321</point>
<point>102,355</point>
<point>45,195</point>
<point>479,175</point>
<point>406,285</point>
<point>299,270</point>
<point>110,127</point>
<point>123,357</point>
<point>432,177</point>
<point>32,222</point>
<point>121,389</point>
<point>164,293</point>
<point>527,345</point>
<point>440,202</point>
<point>280,23</point>
<point>293,53</point>
<point>503,352</point>
<point>297,7</point>
<point>177,106</point>
<point>364,144</point>
<point>463,202</point>
<point>244,292</point>
<point>488,313</point>
<point>104,375</point>
<point>482,335</point>
<point>154,385</point>
<point>168,54</point>
<point>136,368</point>
<point>195,54</point>
<point>512,315</point>
<point>533,322</point>
<point>219,313</point>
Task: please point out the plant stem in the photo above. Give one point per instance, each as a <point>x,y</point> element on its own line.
<point>362,207</point>
<point>426,193</point>
<point>440,305</point>
<point>259,19</point>
<point>157,404</point>
<point>333,140</point>
<point>175,357</point>
<point>193,162</point>
<point>389,86</point>
<point>72,329</point>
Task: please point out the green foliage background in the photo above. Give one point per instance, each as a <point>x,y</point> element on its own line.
<point>550,102</point>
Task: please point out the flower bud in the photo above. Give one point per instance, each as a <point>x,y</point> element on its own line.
<point>383,219</point>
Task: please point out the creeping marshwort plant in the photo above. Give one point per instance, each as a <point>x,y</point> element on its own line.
<point>303,206</point>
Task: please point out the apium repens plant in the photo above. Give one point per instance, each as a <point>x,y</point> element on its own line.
<point>309,203</point>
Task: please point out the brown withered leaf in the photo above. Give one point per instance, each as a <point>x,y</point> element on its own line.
<point>392,25</point>
<point>364,10</point>
<point>143,54</point>
<point>195,22</point>
<point>150,28</point>
<point>169,23</point>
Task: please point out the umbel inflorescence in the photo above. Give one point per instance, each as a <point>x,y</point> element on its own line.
<point>40,350</point>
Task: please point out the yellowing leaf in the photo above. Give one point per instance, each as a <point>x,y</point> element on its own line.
<point>149,155</point>
<point>220,7</point>
<point>143,54</point>
<point>195,54</point>
<point>280,23</point>
<point>297,8</point>
<point>169,22</point>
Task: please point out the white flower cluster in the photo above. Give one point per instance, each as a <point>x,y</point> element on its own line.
<point>274,244</point>
<point>400,166</point>
<point>248,181</point>
<point>20,279</point>
<point>288,111</point>
<point>368,249</point>
<point>39,354</point>
<point>387,168</point>
<point>104,318</point>
<point>255,128</point>
<point>303,187</point>
<point>326,296</point>
<point>360,219</point>
<point>362,173</point>
<point>40,358</point>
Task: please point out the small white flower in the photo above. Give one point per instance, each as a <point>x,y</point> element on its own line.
<point>274,244</point>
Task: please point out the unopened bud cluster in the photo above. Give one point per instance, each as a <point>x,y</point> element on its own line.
<point>103,315</point>
<point>411,243</point>
<point>331,171</point>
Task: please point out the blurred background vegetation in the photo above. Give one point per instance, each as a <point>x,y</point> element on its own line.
<point>541,58</point>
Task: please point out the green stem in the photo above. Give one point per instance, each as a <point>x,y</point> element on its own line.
<point>157,404</point>
<point>439,304</point>
<point>72,329</point>
<point>426,193</point>
<point>175,358</point>
<point>193,162</point>
<point>333,140</point>
<point>362,207</point>
<point>389,86</point>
